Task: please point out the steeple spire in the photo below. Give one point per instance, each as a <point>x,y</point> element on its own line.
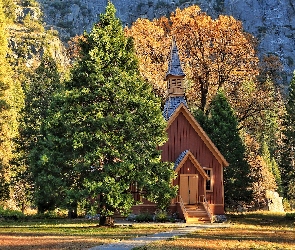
<point>174,78</point>
<point>175,75</point>
<point>174,67</point>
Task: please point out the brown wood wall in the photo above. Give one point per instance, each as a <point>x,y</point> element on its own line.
<point>182,136</point>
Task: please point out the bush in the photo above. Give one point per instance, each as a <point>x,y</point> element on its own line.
<point>55,214</point>
<point>286,205</point>
<point>144,217</point>
<point>161,216</point>
<point>290,216</point>
<point>8,214</point>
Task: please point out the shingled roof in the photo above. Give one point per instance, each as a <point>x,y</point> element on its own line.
<point>172,104</point>
<point>180,158</point>
<point>174,67</point>
<point>188,155</point>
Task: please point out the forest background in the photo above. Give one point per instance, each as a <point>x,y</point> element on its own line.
<point>227,86</point>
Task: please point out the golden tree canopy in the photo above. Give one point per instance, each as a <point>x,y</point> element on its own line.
<point>215,53</point>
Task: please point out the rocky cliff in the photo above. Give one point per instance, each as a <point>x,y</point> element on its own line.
<point>28,40</point>
<point>271,21</point>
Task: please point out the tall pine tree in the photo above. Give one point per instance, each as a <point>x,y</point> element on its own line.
<point>272,167</point>
<point>222,127</point>
<point>39,87</point>
<point>107,126</point>
<point>287,163</point>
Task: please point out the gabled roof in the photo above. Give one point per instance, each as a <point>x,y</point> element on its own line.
<point>183,157</point>
<point>174,67</point>
<point>183,109</point>
<point>172,104</point>
<point>180,158</point>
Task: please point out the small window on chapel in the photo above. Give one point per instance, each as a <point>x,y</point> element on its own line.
<point>209,186</point>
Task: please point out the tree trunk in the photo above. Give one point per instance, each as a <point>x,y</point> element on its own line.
<point>23,207</point>
<point>73,211</point>
<point>106,221</point>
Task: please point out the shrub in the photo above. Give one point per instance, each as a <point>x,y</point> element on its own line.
<point>32,25</point>
<point>9,214</point>
<point>161,216</point>
<point>144,217</point>
<point>286,205</point>
<point>290,216</point>
<point>54,214</point>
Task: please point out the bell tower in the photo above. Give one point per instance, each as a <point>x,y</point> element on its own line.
<point>174,75</point>
<point>175,88</point>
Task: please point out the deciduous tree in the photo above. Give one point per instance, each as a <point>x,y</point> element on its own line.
<point>219,52</point>
<point>216,53</point>
<point>261,174</point>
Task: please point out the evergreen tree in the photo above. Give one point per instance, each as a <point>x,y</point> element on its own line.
<point>272,166</point>
<point>39,88</point>
<point>222,128</point>
<point>11,100</point>
<point>287,165</point>
<point>104,129</point>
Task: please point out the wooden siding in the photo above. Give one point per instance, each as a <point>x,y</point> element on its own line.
<point>182,136</point>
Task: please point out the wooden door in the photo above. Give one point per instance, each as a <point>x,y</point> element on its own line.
<point>188,188</point>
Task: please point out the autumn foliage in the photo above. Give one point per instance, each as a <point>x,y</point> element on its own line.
<point>215,54</point>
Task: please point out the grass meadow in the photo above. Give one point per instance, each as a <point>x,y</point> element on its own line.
<point>246,231</point>
<point>261,230</point>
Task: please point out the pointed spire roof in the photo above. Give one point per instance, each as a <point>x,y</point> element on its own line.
<point>174,67</point>
<point>171,104</point>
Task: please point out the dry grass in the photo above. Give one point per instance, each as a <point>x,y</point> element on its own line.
<point>248,231</point>
<point>65,234</point>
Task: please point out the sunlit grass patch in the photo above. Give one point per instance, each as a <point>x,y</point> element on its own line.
<point>66,234</point>
<point>260,230</point>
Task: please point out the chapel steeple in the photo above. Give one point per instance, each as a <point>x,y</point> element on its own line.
<point>175,74</point>
<point>174,78</point>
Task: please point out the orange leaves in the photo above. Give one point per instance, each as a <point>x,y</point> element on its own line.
<point>152,46</point>
<point>218,52</point>
<point>73,50</point>
<point>215,53</point>
<point>181,16</point>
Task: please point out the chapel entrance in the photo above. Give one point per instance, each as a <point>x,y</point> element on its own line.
<point>188,188</point>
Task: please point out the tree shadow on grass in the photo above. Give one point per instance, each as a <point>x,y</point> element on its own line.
<point>25,242</point>
<point>260,218</point>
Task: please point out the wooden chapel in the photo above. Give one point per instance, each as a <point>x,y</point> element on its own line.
<point>197,162</point>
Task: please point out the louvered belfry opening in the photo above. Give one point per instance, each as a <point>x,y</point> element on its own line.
<point>175,74</point>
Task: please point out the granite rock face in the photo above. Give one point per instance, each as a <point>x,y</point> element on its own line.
<point>271,21</point>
